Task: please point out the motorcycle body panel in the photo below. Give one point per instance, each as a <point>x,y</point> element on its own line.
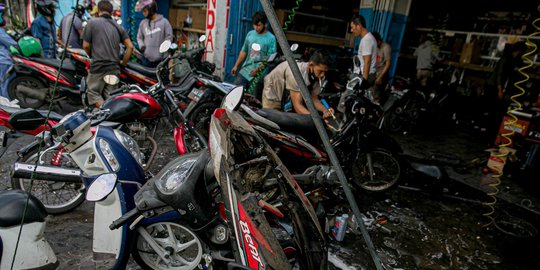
<point>129,107</point>
<point>91,158</point>
<point>32,241</point>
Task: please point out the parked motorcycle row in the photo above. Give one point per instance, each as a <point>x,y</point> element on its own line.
<point>227,201</point>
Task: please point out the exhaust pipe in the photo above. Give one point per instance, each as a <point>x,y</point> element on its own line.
<point>46,173</point>
<point>35,93</point>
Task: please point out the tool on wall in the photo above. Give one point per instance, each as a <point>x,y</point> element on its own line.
<point>507,140</point>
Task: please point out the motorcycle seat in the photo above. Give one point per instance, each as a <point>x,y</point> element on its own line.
<point>146,71</point>
<point>12,206</point>
<point>67,65</point>
<point>52,116</point>
<point>291,122</point>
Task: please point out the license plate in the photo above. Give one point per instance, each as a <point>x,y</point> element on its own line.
<point>196,94</point>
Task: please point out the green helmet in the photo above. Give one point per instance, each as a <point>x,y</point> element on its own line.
<point>29,46</point>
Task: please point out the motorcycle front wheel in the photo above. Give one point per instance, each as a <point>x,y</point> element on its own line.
<point>26,101</point>
<point>57,197</point>
<point>376,170</point>
<point>183,246</point>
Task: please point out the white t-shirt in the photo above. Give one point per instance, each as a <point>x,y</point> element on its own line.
<point>368,46</point>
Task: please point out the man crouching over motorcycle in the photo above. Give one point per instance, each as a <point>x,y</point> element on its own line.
<point>281,83</point>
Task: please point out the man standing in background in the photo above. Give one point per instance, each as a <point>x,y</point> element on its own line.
<point>76,29</point>
<point>265,45</point>
<point>43,27</point>
<point>101,41</point>
<point>153,30</point>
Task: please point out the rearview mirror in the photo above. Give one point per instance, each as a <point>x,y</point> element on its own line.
<point>272,57</point>
<point>165,46</point>
<point>101,187</point>
<point>111,79</point>
<point>233,99</point>
<point>202,38</point>
<point>294,47</point>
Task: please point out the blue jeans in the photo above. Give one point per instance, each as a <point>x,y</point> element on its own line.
<point>240,80</point>
<point>4,83</point>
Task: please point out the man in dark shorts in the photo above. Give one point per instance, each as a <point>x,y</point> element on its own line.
<point>101,41</point>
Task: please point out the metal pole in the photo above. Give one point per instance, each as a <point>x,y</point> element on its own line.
<point>284,44</point>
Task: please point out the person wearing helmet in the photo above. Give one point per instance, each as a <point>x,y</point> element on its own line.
<point>102,37</point>
<point>153,30</point>
<point>76,29</point>
<point>43,27</point>
<point>5,60</point>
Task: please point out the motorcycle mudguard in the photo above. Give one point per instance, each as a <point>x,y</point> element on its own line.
<point>179,139</point>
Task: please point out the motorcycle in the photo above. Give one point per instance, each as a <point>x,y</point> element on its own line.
<point>104,150</point>
<point>36,77</point>
<point>243,162</point>
<point>407,105</point>
<point>15,251</point>
<point>369,156</point>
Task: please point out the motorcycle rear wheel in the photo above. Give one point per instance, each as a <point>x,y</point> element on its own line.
<point>57,197</point>
<point>25,101</point>
<point>179,242</point>
<point>376,170</point>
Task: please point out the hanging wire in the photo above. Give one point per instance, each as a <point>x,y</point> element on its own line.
<point>507,141</point>
<point>33,176</point>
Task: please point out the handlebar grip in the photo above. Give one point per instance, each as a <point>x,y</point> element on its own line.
<point>123,219</point>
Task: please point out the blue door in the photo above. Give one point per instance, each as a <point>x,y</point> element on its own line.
<point>239,25</point>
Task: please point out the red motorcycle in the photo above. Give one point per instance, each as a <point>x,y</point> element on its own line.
<point>36,77</point>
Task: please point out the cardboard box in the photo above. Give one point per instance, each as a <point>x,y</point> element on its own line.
<point>497,158</point>
<point>199,18</point>
<point>507,125</point>
<point>470,54</point>
<point>177,17</point>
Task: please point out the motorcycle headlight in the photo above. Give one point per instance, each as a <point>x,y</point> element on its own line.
<point>131,145</point>
<point>108,154</point>
<point>170,181</point>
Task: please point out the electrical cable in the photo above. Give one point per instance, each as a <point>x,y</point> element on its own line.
<point>291,16</point>
<point>507,141</point>
<point>33,176</point>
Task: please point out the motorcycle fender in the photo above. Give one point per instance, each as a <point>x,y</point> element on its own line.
<point>179,139</point>
<point>106,242</point>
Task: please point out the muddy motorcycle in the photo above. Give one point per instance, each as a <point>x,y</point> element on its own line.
<point>369,156</point>
<point>35,78</point>
<point>13,203</point>
<point>259,214</point>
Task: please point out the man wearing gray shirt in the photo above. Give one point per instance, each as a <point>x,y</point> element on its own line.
<point>76,29</point>
<point>101,41</point>
<point>425,56</point>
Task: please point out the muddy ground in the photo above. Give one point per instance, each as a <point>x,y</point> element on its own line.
<point>424,224</point>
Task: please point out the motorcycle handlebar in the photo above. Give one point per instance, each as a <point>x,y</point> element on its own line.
<point>123,219</point>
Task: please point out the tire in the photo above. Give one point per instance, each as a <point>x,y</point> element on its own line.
<point>385,167</point>
<point>313,253</point>
<point>25,101</point>
<point>201,116</point>
<point>147,258</point>
<point>57,197</point>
